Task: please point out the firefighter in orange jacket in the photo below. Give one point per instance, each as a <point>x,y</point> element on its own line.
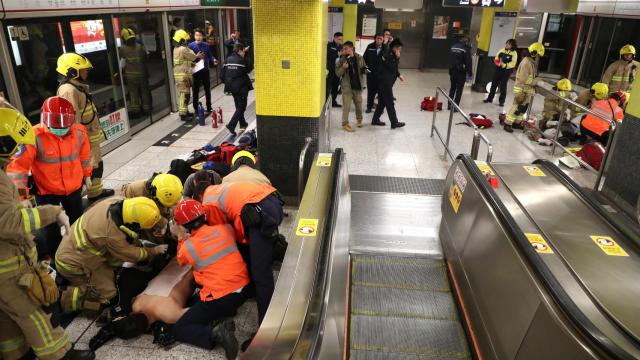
<point>211,250</point>
<point>59,163</point>
<point>608,107</point>
<point>255,211</point>
<point>26,286</point>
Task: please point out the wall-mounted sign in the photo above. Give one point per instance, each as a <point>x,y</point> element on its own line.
<point>479,3</point>
<point>29,5</point>
<point>114,125</point>
<point>226,3</point>
<point>395,26</point>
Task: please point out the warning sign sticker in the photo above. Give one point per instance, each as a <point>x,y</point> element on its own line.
<point>324,159</point>
<point>485,168</point>
<point>608,245</point>
<point>534,170</point>
<point>307,227</point>
<point>460,180</point>
<point>539,244</point>
<point>455,197</point>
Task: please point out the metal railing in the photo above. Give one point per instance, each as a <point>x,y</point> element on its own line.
<point>477,135</point>
<point>303,156</point>
<point>561,120</point>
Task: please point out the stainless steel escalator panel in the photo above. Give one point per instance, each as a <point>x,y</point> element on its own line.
<point>568,224</point>
<point>368,355</point>
<point>400,273</point>
<point>395,224</point>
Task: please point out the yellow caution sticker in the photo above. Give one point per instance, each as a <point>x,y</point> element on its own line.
<point>539,244</point>
<point>324,159</point>
<point>307,227</point>
<point>455,197</point>
<point>534,170</point>
<point>485,169</point>
<point>608,245</point>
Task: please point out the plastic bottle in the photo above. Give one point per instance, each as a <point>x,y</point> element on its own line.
<point>214,119</point>
<point>220,114</point>
<point>200,114</point>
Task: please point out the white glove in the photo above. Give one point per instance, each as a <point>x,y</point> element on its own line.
<point>157,250</point>
<point>573,96</point>
<point>63,220</point>
<point>567,114</point>
<point>27,203</point>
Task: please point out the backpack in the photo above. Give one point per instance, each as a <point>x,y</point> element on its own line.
<point>429,104</point>
<point>181,169</point>
<point>592,153</point>
<point>226,152</point>
<point>481,120</point>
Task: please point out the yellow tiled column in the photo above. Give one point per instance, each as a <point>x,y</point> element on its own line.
<point>290,72</point>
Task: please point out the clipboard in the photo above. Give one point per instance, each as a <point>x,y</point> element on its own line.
<point>198,66</point>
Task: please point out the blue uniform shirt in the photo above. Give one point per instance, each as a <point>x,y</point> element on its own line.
<point>204,48</point>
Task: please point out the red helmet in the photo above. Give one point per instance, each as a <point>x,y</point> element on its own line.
<point>57,113</point>
<point>188,210</point>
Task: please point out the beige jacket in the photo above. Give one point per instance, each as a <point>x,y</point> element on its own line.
<point>136,59</point>
<point>17,224</point>
<point>344,74</point>
<point>96,240</point>
<point>86,113</point>
<point>246,174</point>
<point>618,74</point>
<point>183,59</point>
<point>526,77</point>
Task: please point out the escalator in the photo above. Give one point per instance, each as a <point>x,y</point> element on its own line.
<point>525,266</point>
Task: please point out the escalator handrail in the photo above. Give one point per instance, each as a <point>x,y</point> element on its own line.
<point>588,329</point>
<point>578,191</point>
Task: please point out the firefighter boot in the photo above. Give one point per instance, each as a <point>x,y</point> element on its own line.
<point>223,334</point>
<point>75,354</point>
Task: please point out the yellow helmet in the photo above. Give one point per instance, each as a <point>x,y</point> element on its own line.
<point>167,189</point>
<point>628,49</point>
<point>564,85</point>
<point>181,35</point>
<point>241,154</point>
<point>600,91</point>
<point>15,130</point>
<point>70,64</point>
<point>536,49</point>
<point>140,210</point>
<point>127,33</point>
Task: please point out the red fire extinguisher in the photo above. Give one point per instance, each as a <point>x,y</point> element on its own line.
<point>220,114</point>
<point>214,120</point>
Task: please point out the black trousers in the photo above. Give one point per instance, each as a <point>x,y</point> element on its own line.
<point>372,89</point>
<point>457,84</point>
<point>240,100</point>
<point>201,78</point>
<point>385,101</point>
<point>500,79</point>
<point>259,254</point>
<point>72,205</point>
<point>194,327</point>
<point>333,86</point>
<point>603,139</point>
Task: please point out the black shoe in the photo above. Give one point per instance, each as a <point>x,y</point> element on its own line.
<point>397,125</point>
<point>104,194</point>
<point>231,131</point>
<point>247,343</point>
<point>501,104</point>
<point>336,105</point>
<point>486,101</point>
<point>188,117</point>
<point>378,123</point>
<point>223,334</point>
<point>162,335</point>
<point>508,128</point>
<point>104,335</point>
<point>75,354</point>
<point>368,111</point>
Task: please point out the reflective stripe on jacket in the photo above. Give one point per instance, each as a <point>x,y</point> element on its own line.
<point>183,58</point>
<point>136,59</point>
<point>604,108</point>
<point>217,263</point>
<point>224,203</point>
<point>525,77</point>
<point>58,164</point>
<point>619,75</point>
<point>86,113</point>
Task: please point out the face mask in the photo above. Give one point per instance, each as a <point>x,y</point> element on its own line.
<point>60,132</point>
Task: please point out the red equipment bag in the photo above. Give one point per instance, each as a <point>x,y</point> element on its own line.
<point>481,120</point>
<point>429,104</point>
<point>592,153</point>
<point>227,151</point>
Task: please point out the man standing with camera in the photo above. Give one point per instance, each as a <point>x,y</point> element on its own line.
<point>350,68</point>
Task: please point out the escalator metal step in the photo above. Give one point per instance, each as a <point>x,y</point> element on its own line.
<point>436,338</point>
<point>369,355</point>
<point>400,273</point>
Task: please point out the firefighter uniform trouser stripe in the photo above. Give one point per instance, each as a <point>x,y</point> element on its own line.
<point>74,299</point>
<point>41,324</point>
<point>31,219</point>
<point>81,239</point>
<point>69,268</point>
<point>12,344</point>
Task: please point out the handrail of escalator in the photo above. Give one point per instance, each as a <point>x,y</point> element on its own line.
<point>585,325</point>
<point>578,190</point>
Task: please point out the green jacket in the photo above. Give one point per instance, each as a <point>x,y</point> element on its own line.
<point>344,74</point>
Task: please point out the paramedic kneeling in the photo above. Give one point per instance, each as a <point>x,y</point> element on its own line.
<point>218,267</point>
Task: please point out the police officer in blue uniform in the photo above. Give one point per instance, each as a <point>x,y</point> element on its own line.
<point>334,51</point>
<point>459,67</point>
<point>235,75</point>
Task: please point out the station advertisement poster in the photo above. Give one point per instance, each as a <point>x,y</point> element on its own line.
<point>226,3</point>
<point>479,3</point>
<point>53,5</point>
<point>114,125</point>
<point>88,36</point>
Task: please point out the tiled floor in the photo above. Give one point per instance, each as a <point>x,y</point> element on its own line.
<point>411,152</point>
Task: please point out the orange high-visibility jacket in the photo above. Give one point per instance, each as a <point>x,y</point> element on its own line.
<point>224,203</point>
<point>609,109</point>
<point>58,164</point>
<point>216,261</point>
